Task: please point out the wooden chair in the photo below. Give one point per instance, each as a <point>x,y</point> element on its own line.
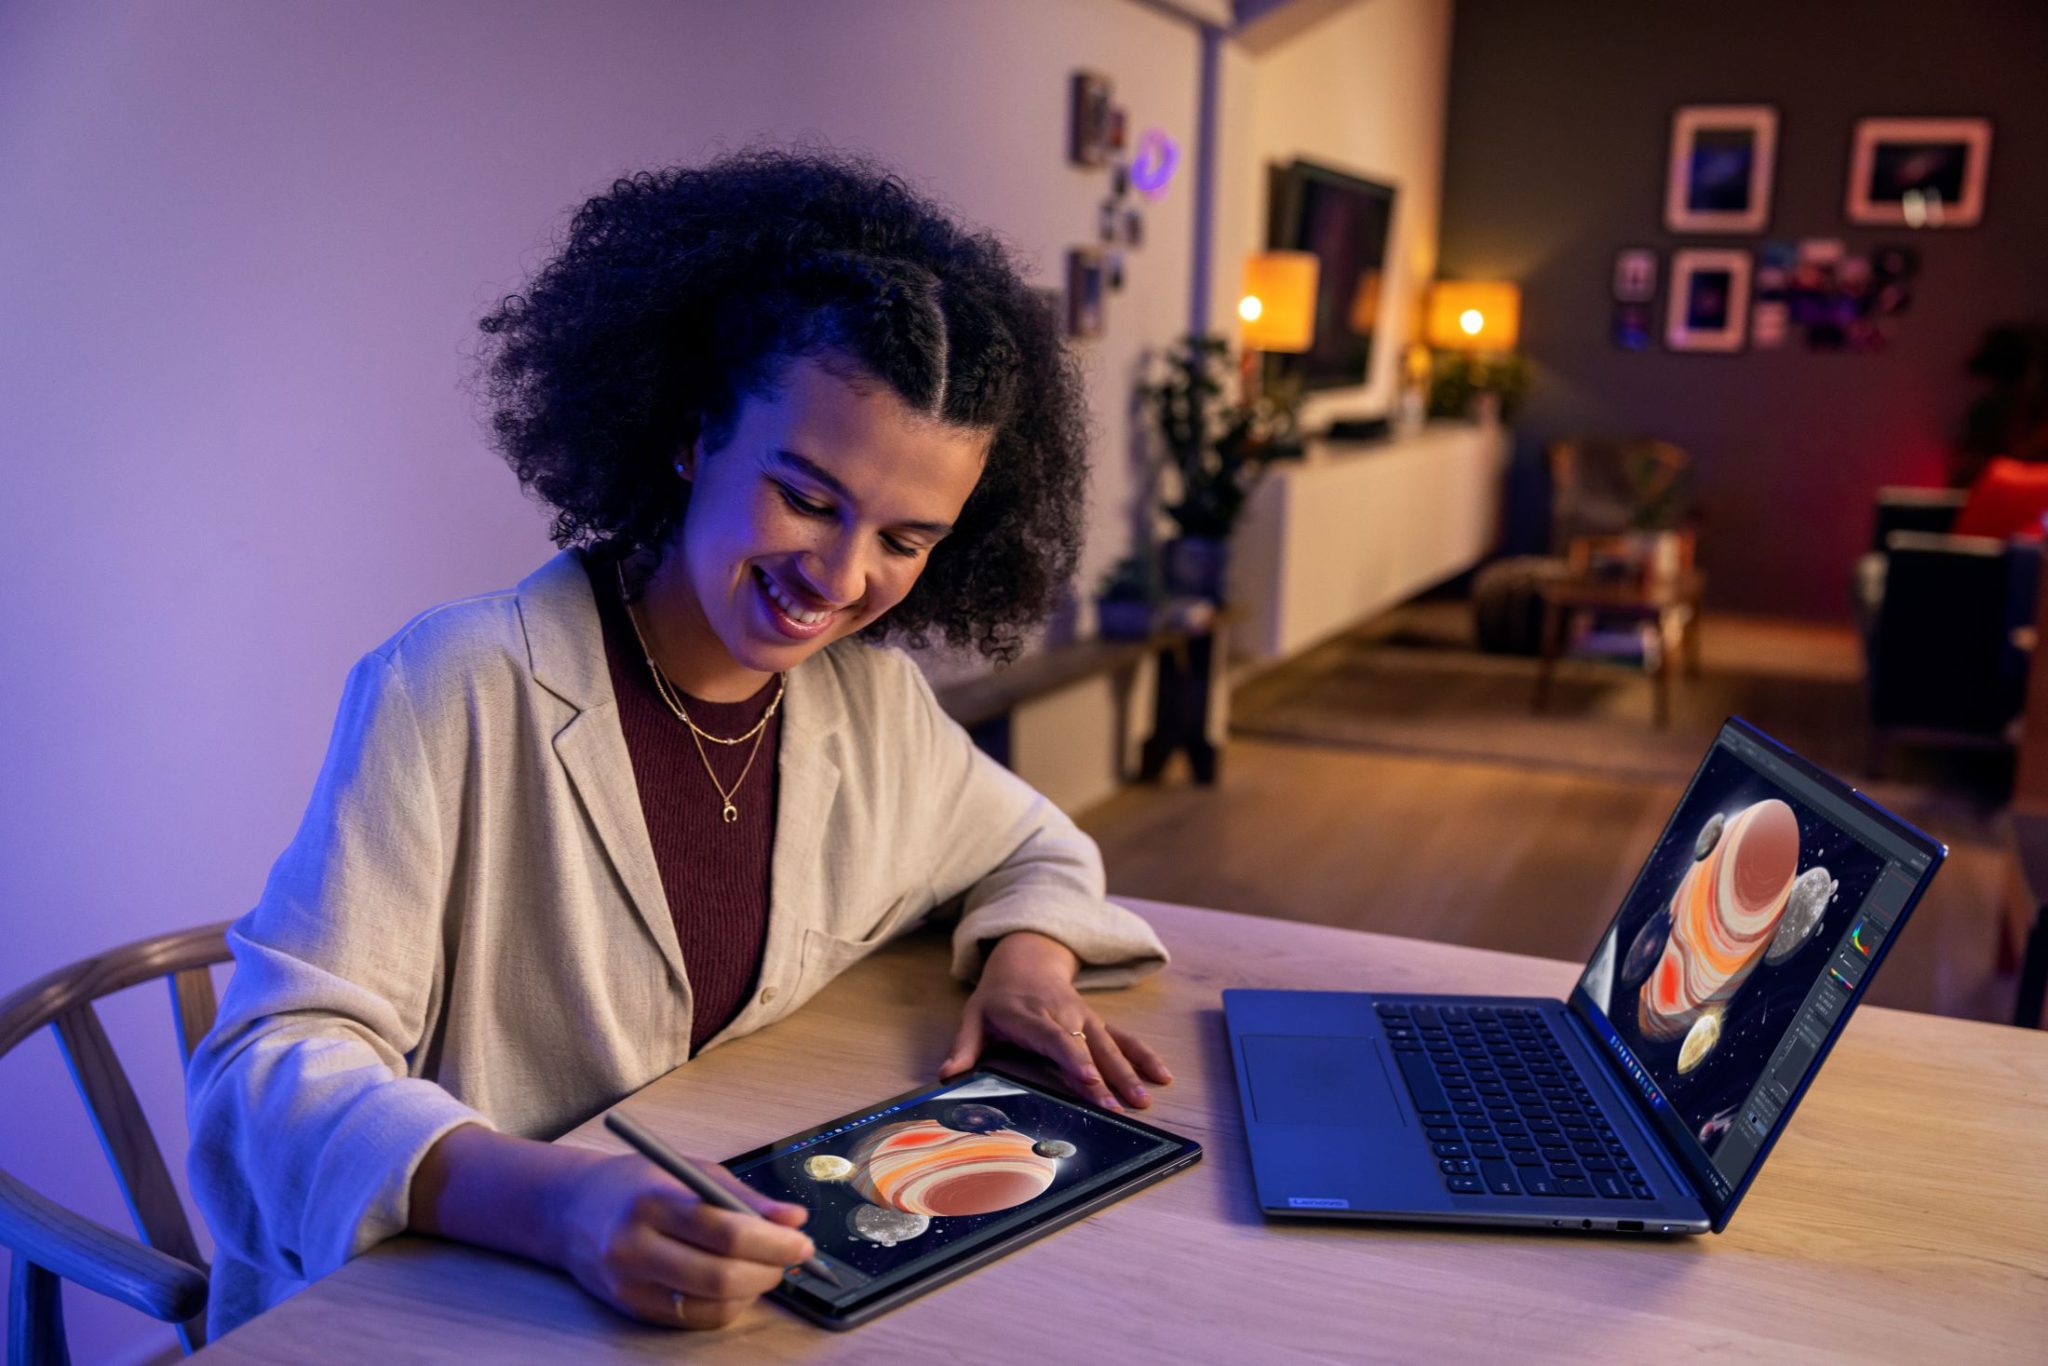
<point>163,1275</point>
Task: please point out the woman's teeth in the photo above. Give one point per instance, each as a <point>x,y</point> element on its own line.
<point>788,605</point>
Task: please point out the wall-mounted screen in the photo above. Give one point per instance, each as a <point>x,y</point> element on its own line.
<point>1345,221</point>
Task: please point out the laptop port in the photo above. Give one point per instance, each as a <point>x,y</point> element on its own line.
<point>1630,1226</point>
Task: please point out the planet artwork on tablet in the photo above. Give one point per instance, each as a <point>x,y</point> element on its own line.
<point>968,1161</point>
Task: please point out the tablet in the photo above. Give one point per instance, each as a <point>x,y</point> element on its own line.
<point>911,1192</point>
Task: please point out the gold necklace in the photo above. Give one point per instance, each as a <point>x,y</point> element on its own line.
<point>698,735</point>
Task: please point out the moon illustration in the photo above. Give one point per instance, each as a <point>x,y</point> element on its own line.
<point>1699,1041</point>
<point>1710,835</point>
<point>885,1226</point>
<point>1054,1148</point>
<point>975,1119</point>
<point>827,1167</point>
<point>1649,943</point>
<point>1803,911</point>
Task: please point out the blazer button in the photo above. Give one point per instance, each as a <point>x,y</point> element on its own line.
<point>767,995</point>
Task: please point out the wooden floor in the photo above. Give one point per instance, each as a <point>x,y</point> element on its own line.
<point>1495,855</point>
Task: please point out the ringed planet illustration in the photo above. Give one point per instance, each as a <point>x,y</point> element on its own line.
<point>920,1166</point>
<point>1722,918</point>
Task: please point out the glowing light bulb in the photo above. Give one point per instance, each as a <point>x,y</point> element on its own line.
<point>1471,320</point>
<point>1249,308</point>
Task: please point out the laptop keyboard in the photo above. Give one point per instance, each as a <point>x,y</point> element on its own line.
<point>1502,1106</point>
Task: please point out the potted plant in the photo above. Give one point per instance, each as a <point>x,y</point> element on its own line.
<point>1483,387</point>
<point>1127,603</point>
<point>1217,449</point>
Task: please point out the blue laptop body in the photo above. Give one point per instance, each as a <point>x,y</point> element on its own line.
<point>1646,1101</point>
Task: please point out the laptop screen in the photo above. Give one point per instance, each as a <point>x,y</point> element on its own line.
<point>1742,945</point>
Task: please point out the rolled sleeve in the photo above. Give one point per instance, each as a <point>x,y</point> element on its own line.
<point>1012,860</point>
<point>306,1125</point>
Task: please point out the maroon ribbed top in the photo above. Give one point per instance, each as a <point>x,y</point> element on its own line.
<point>716,876</point>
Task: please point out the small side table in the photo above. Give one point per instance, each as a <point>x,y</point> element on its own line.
<point>1186,670</point>
<point>1670,602</point>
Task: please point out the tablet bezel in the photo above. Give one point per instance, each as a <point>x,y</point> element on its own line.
<point>1061,1211</point>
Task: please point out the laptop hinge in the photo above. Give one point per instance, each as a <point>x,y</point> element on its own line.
<point>1633,1099</point>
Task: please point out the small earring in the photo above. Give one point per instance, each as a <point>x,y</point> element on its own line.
<point>680,474</point>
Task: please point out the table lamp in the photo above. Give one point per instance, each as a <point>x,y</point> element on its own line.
<point>1277,308</point>
<point>1477,321</point>
<point>1474,315</point>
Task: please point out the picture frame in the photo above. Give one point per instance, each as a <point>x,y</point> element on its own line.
<point>1087,291</point>
<point>1723,157</point>
<point>1635,275</point>
<point>1091,119</point>
<point>1708,308</point>
<point>1918,173</point>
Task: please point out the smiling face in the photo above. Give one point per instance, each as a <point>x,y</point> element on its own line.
<point>813,520</point>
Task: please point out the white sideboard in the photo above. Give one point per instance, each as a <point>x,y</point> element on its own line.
<point>1358,527</point>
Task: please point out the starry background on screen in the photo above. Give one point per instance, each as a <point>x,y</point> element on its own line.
<point>1764,1008</point>
<point>1100,1144</point>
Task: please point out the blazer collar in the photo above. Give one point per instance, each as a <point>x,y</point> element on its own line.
<point>564,640</point>
<point>565,645</point>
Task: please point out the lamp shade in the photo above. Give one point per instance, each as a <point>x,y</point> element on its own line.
<point>1474,315</point>
<point>1278,308</point>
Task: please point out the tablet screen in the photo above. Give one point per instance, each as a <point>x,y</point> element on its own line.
<point>924,1180</point>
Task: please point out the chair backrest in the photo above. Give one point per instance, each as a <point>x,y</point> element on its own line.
<point>1603,486</point>
<point>163,1275</point>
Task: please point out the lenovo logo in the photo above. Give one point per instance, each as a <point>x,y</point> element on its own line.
<point>1316,1202</point>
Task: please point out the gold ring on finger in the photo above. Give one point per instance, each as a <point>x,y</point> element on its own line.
<point>1078,1033</point>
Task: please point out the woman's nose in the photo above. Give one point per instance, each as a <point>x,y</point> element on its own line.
<point>837,571</point>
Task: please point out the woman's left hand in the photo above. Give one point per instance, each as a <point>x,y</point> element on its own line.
<point>1027,997</point>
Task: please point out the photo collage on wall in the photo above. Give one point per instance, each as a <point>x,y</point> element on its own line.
<point>1099,137</point>
<point>1815,291</point>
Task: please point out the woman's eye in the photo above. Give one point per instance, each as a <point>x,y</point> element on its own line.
<point>897,547</point>
<point>801,504</point>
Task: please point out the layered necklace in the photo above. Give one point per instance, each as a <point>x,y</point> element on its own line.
<point>698,735</point>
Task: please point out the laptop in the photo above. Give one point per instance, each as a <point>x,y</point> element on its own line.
<point>1647,1101</point>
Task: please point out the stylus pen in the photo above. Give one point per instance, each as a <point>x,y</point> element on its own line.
<point>685,1171</point>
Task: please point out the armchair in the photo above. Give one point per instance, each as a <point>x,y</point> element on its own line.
<point>1944,620</point>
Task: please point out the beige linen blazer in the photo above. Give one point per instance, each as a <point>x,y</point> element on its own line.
<point>470,927</point>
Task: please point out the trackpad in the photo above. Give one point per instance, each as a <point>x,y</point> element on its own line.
<point>1315,1079</point>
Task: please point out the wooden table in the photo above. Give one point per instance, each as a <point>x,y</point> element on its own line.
<point>1904,1217</point>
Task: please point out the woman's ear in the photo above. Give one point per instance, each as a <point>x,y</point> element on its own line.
<point>686,460</point>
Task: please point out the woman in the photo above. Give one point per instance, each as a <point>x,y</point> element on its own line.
<point>570,834</point>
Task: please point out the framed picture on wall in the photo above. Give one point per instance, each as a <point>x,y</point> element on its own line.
<point>1709,305</point>
<point>1722,156</point>
<point>1087,291</point>
<point>1091,119</point>
<point>1919,173</point>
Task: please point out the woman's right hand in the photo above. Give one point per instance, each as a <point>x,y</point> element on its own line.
<point>646,1245</point>
<point>630,1234</point>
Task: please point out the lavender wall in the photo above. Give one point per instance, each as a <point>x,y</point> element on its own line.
<point>242,246</point>
<point>1555,158</point>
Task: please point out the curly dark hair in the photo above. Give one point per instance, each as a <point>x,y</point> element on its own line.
<point>681,292</point>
